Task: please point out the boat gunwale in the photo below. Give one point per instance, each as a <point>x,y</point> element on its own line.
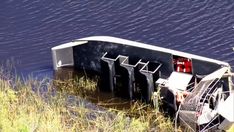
<point>136,44</point>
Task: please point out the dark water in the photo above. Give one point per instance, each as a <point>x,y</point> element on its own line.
<point>29,28</point>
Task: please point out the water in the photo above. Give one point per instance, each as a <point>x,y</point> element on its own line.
<point>28,29</point>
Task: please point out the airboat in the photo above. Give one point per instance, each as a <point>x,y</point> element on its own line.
<point>197,90</point>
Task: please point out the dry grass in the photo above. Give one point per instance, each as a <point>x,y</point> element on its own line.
<point>141,116</point>
<point>36,106</point>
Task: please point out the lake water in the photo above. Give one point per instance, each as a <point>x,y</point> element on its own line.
<point>28,29</point>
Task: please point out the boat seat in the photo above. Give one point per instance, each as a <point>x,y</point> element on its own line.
<point>176,82</point>
<point>179,81</point>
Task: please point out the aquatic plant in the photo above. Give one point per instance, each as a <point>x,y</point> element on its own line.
<point>32,105</point>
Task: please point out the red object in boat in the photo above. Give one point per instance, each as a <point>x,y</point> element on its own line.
<point>182,64</point>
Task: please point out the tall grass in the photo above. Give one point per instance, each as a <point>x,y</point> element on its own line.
<point>34,105</point>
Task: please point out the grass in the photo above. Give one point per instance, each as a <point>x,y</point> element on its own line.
<point>36,106</point>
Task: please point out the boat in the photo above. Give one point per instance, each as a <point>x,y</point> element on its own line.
<point>195,89</point>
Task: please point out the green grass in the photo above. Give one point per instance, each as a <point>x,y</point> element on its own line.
<point>22,109</point>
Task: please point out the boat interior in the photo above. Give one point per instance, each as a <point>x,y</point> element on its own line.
<point>137,79</point>
<point>136,73</point>
<point>184,83</point>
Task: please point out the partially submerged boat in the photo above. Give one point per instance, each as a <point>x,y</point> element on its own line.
<point>196,88</point>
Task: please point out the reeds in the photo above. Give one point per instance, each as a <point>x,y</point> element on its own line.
<point>33,105</point>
